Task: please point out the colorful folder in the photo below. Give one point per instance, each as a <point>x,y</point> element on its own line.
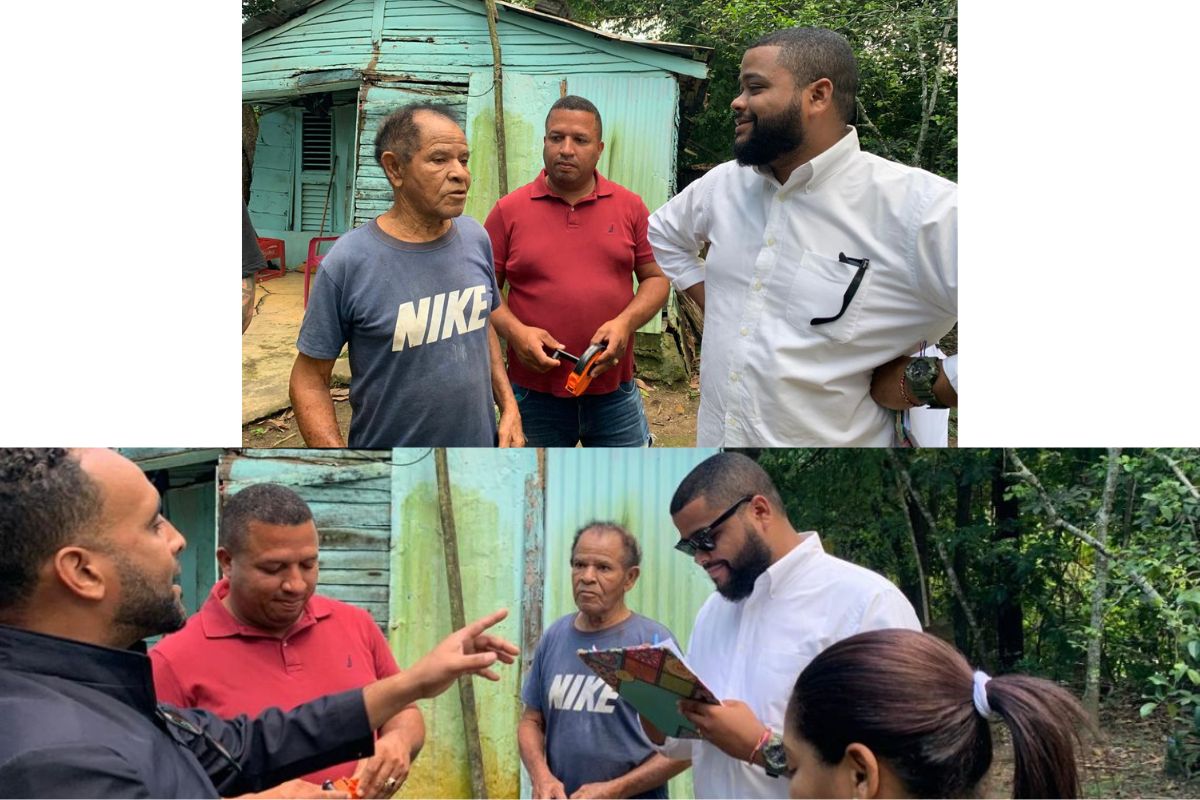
<point>653,678</point>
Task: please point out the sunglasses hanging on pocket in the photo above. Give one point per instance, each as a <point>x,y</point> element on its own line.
<point>851,290</point>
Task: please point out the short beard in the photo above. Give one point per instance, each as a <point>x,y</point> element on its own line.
<point>142,612</point>
<point>744,570</point>
<point>769,139</point>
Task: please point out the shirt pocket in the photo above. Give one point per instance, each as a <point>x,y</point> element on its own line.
<point>777,671</point>
<point>818,289</point>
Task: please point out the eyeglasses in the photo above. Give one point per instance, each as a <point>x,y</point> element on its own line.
<point>177,723</point>
<point>851,290</point>
<point>704,539</point>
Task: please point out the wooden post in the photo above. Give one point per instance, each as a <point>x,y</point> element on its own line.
<point>498,89</point>
<point>466,690</point>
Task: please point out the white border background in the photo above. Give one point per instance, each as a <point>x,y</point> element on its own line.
<point>1080,281</point>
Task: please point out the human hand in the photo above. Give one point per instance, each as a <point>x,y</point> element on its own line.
<point>530,344</point>
<point>384,773</point>
<point>616,334</point>
<point>468,651</point>
<point>509,429</point>
<point>731,726</point>
<point>595,791</point>
<point>549,788</point>
<point>298,788</point>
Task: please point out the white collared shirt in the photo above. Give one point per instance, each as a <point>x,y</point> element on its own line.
<point>768,376</point>
<point>753,650</point>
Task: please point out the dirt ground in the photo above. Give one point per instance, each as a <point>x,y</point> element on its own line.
<point>1126,762</point>
<point>671,411</point>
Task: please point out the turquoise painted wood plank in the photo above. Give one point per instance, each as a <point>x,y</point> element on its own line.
<point>351,538</point>
<point>378,612</point>
<point>358,577</point>
<point>623,49</point>
<point>364,518</point>
<point>192,510</point>
<point>354,593</point>
<point>305,456</point>
<point>267,179</point>
<point>271,185</point>
<point>245,472</point>
<point>355,559</point>
<point>310,19</point>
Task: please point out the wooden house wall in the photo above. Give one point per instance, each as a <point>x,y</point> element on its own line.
<point>396,51</point>
<point>349,493</point>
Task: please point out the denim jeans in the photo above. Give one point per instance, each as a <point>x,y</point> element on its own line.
<point>615,419</point>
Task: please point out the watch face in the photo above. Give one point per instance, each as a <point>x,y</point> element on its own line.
<point>775,758</point>
<point>921,369</point>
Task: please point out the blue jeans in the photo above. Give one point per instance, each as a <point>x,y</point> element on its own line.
<point>615,419</point>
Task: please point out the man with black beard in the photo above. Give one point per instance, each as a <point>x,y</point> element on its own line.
<point>826,268</point>
<point>87,569</point>
<point>780,601</point>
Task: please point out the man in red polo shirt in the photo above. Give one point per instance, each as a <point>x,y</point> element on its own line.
<point>264,638</point>
<point>569,244</point>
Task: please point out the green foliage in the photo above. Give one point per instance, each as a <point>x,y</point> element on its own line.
<point>850,497</point>
<point>899,46</point>
<point>253,7</point>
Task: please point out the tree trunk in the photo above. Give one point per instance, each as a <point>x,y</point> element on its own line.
<point>947,563</point>
<point>249,141</point>
<point>1152,596</point>
<point>1010,623</point>
<point>1091,691</point>
<point>498,88</point>
<point>913,518</point>
<point>466,688</point>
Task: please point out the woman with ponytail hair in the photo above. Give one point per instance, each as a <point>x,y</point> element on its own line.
<point>897,713</point>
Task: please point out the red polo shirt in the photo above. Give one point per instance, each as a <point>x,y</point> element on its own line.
<point>569,270</point>
<point>219,664</point>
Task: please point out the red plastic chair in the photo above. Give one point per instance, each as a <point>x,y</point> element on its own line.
<point>271,249</point>
<point>314,260</point>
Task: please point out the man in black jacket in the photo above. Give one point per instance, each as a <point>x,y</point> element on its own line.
<point>87,565</point>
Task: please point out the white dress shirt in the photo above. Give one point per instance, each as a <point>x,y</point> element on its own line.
<point>753,650</point>
<point>767,375</point>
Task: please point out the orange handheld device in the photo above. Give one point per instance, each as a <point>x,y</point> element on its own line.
<point>581,376</point>
<point>347,785</point>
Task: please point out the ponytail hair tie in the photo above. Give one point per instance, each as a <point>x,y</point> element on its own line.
<point>979,695</point>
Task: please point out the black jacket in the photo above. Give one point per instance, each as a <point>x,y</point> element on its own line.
<point>77,720</point>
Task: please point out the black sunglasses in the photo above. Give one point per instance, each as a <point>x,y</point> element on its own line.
<point>851,290</point>
<point>704,539</point>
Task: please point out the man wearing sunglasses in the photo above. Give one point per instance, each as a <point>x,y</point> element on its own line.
<point>779,601</point>
<point>88,571</point>
<point>823,263</point>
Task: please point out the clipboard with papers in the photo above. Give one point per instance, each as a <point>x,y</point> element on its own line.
<point>653,678</point>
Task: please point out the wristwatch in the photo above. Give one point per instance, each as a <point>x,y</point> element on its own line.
<point>919,377</point>
<point>774,757</point>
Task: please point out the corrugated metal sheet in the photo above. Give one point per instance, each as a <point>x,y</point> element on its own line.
<point>635,110</point>
<point>349,493</point>
<point>382,549</point>
<point>633,488</point>
<point>490,511</point>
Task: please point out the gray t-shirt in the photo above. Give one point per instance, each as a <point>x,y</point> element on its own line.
<point>591,733</point>
<point>415,317</point>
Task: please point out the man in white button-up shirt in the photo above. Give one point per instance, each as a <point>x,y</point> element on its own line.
<point>780,601</point>
<point>826,265</point>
